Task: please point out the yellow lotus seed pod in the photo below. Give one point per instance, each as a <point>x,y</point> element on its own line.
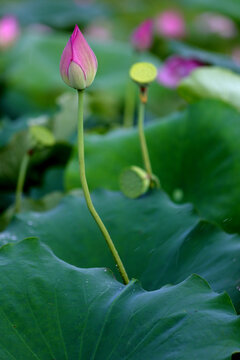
<point>143,73</point>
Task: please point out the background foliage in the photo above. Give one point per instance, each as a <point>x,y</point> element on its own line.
<point>61,296</point>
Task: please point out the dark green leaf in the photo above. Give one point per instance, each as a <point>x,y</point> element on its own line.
<point>196,151</point>
<point>160,242</point>
<point>51,310</point>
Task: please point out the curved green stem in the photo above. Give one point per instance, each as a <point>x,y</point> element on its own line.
<point>145,155</point>
<point>87,193</point>
<point>20,182</point>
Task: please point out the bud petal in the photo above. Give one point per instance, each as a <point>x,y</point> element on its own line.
<point>78,65</point>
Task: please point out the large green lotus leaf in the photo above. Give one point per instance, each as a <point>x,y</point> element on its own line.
<point>51,310</point>
<point>160,242</point>
<point>197,151</point>
<point>211,83</point>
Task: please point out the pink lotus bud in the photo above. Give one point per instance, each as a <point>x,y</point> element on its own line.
<point>175,69</point>
<point>170,24</point>
<point>78,65</point>
<point>9,31</point>
<point>211,23</point>
<point>142,37</point>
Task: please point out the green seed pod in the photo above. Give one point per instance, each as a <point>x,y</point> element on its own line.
<point>134,182</point>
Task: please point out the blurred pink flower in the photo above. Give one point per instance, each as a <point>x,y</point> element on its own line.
<point>98,32</point>
<point>9,31</point>
<point>216,24</point>
<point>142,36</point>
<point>170,24</point>
<point>78,65</point>
<point>175,69</point>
